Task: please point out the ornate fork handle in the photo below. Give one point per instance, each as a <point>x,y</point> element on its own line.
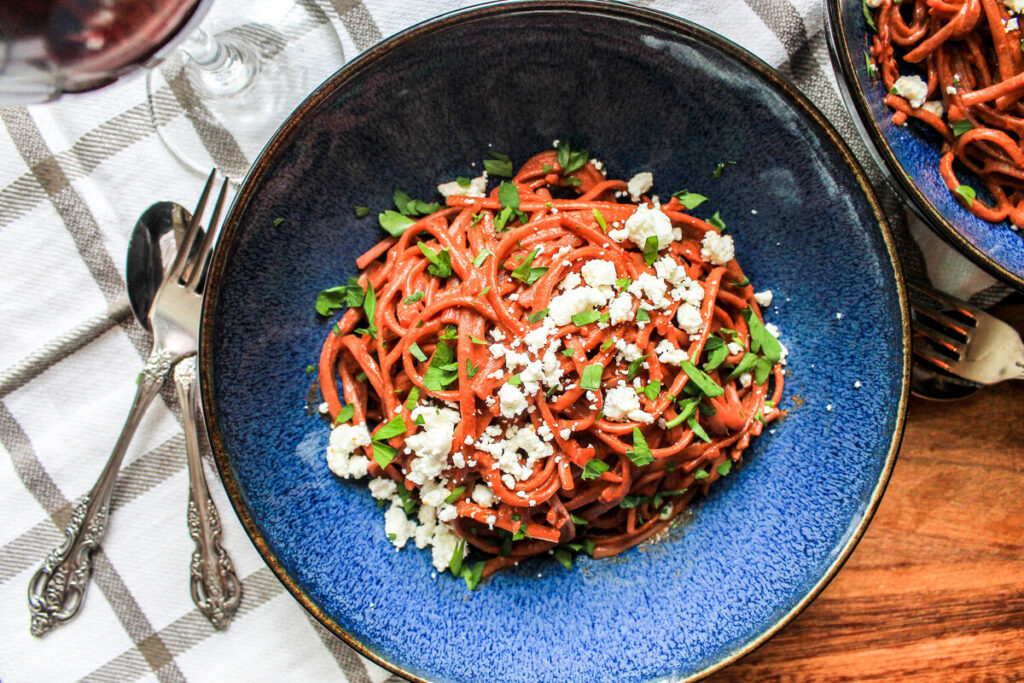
<point>215,588</point>
<point>57,589</point>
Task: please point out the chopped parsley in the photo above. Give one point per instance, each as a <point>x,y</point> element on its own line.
<point>456,562</point>
<point>537,316</point>
<point>345,414</point>
<point>394,223</point>
<point>623,283</point>
<point>463,181</point>
<point>591,377</point>
<point>867,15</point>
<point>454,495</point>
<point>601,221</point>
<point>408,206</point>
<point>690,200</point>
<point>310,369</point>
<point>564,557</point>
<point>607,344</point>
<point>479,259</point>
<point>383,454</point>
<point>585,318</point>
<point>278,221</point>
<point>642,316</point>
<point>440,373</point>
<point>652,390</point>
<point>717,351</point>
<point>412,398</point>
<point>707,385</point>
<point>651,250</point>
<point>700,474</point>
<point>725,468</point>
<point>472,575</point>
<point>962,126</point>
<point>641,453</point>
<point>634,366</point>
<point>717,173</point>
<point>568,353</point>
<point>414,297</point>
<point>716,222</point>
<point>594,469</point>
<point>330,299</point>
<point>499,165</point>
<point>393,428</point>
<point>967,192</point>
<point>417,352</point>
<point>697,429</point>
<point>761,339</point>
<point>362,211</point>
<point>477,340</point>
<point>440,263</point>
<point>525,272</point>
<point>570,159</point>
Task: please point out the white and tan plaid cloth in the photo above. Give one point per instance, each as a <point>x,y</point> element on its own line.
<point>74,176</point>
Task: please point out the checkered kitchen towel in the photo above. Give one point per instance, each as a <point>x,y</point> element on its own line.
<point>73,178</point>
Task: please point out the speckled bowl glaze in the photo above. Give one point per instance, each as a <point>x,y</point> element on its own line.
<point>644,91</point>
<point>910,155</point>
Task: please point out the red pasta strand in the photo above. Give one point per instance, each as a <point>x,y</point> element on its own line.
<point>556,504</point>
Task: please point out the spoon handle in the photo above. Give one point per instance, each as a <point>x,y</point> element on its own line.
<point>57,589</point>
<point>215,588</point>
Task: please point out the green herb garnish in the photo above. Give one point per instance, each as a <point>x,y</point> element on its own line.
<point>651,250</point>
<point>345,414</point>
<point>499,165</point>
<point>585,318</point>
<point>707,385</point>
<point>594,469</point>
<point>591,377</point>
<point>690,200</point>
<point>440,263</point>
<point>362,211</point>
<point>641,453</point>
<point>716,222</point>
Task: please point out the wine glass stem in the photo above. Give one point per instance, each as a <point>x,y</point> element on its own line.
<point>220,67</point>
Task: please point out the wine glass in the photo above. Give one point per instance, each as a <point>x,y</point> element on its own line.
<point>238,77</point>
<point>52,47</point>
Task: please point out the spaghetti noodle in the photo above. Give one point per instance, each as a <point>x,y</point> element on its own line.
<point>545,373</point>
<point>970,52</point>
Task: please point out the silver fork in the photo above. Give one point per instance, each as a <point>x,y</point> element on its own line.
<point>964,340</point>
<point>57,589</point>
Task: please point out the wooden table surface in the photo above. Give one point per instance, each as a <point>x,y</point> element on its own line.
<point>935,589</point>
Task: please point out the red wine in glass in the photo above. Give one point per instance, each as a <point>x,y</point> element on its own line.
<point>51,47</point>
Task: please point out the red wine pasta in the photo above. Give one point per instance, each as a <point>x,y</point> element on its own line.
<point>545,367</point>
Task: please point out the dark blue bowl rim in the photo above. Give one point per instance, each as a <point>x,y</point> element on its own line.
<point>842,64</point>
<point>608,8</point>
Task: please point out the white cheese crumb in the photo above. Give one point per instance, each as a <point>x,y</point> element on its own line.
<point>689,320</point>
<point>477,188</point>
<point>598,273</point>
<point>935,107</point>
<point>913,88</point>
<point>483,495</point>
<point>856,385</point>
<point>382,489</point>
<point>563,307</point>
<point>565,433</point>
<point>763,298</point>
<point>344,440</point>
<point>951,90</point>
<point>669,354</point>
<point>621,309</point>
<point>513,402</point>
<point>397,526</point>
<point>717,248</point>
<point>734,348</point>
<point>639,184</point>
<point>645,222</point>
<point>570,281</point>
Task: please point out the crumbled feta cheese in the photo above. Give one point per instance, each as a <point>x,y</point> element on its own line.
<point>598,273</point>
<point>874,4</point>
<point>1014,6</point>
<point>513,402</point>
<point>432,443</point>
<point>570,281</point>
<point>717,248</point>
<point>444,543</point>
<point>563,307</point>
<point>477,187</point>
<point>531,376</point>
<point>537,338</point>
<point>621,309</point>
<point>433,493</point>
<point>397,526</point>
<point>482,495</point>
<point>446,512</point>
<point>552,368</point>
<point>763,298</point>
<point>668,269</point>
<point>951,90</point>
<point>323,408</point>
<point>619,401</point>
<point>935,107</point>
<point>745,379</point>
<point>627,351</point>
<point>1011,24</point>
<point>344,440</point>
<point>653,287</point>
<point>497,350</point>
<point>913,88</point>
<point>639,184</point>
<point>856,385</point>
<point>565,433</point>
<point>644,223</point>
<point>497,335</point>
<point>669,354</point>
<point>688,319</point>
<point>734,348</point>
<point>382,489</point>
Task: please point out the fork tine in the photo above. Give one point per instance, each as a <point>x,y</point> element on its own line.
<point>952,346</point>
<point>946,300</point>
<point>199,267</point>
<point>176,269</point>
<point>942,320</point>
<point>923,352</point>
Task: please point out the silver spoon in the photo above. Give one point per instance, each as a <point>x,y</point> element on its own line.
<point>936,386</point>
<point>215,588</point>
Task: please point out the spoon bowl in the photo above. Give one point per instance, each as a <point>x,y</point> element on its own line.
<point>148,253</point>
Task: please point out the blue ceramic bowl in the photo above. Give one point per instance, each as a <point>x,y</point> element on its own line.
<point>644,91</point>
<point>911,154</point>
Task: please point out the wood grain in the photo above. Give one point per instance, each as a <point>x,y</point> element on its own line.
<point>935,590</point>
